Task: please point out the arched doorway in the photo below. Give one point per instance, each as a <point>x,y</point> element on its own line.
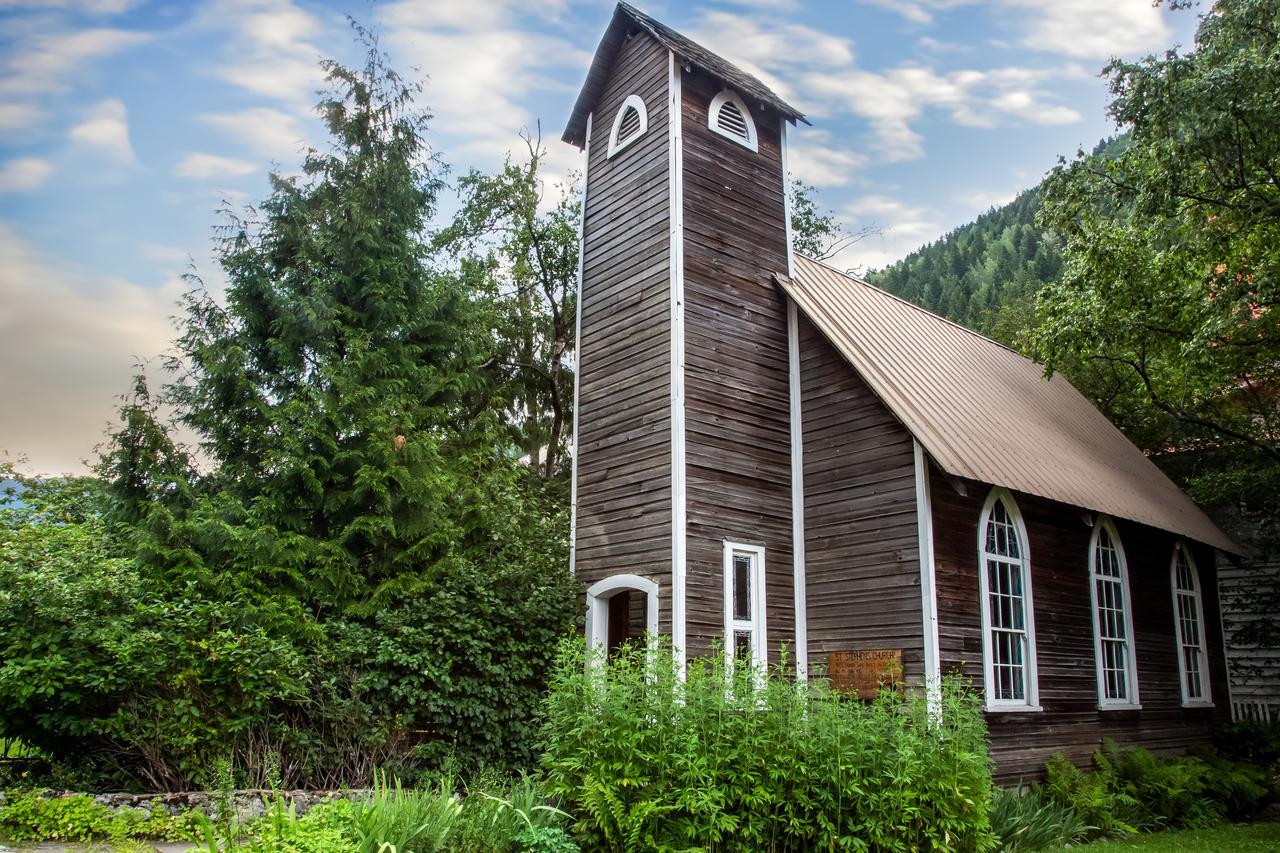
<point>621,609</point>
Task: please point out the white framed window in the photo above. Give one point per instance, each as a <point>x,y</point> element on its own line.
<point>744,624</point>
<point>629,124</point>
<point>728,116</point>
<point>1188,615</point>
<point>1008,617</point>
<point>1114,658</point>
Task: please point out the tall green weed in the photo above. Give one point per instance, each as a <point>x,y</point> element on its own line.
<point>715,761</point>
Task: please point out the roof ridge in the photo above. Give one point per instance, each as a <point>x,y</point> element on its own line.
<point>919,308</point>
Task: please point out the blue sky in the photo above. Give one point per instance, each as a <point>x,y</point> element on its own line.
<point>124,125</point>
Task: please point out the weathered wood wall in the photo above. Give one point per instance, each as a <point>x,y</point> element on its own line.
<point>861,541</point>
<point>624,438</point>
<point>737,418</point>
<point>1059,549</point>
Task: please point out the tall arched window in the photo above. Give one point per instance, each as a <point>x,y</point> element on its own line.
<point>629,124</point>
<point>728,116</point>
<point>1008,620</point>
<point>1188,614</point>
<point>1114,657</point>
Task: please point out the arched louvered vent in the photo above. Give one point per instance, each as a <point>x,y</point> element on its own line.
<point>628,125</point>
<point>729,117</point>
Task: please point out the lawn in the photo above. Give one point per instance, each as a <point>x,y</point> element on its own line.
<point>1246,838</point>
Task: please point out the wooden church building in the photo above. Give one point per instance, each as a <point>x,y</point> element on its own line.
<point>771,453</point>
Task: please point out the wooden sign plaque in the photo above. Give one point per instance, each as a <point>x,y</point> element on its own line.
<point>863,672</point>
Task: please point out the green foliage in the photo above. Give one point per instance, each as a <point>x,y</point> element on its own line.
<point>1025,819</point>
<point>747,762</point>
<point>817,232</point>
<point>522,261</point>
<point>39,816</point>
<point>361,572</point>
<point>1173,243</point>
<point>1250,741</point>
<point>1133,790</point>
<point>1254,838</point>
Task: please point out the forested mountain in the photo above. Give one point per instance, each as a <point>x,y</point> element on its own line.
<point>985,274</point>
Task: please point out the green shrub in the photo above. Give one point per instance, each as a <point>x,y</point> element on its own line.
<point>1250,741</point>
<point>1133,790</point>
<point>35,816</point>
<point>1090,797</point>
<point>1025,819</point>
<point>647,761</point>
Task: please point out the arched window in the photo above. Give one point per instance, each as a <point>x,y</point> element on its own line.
<point>1008,620</point>
<point>629,124</point>
<point>729,117</point>
<point>1188,614</point>
<point>1114,657</point>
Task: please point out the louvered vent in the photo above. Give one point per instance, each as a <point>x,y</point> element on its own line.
<point>630,124</point>
<point>731,121</point>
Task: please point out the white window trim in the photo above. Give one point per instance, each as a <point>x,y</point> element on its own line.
<point>1205,701</point>
<point>756,625</point>
<point>598,595</point>
<point>1032,701</point>
<point>1131,656</point>
<point>713,115</point>
<point>615,144</point>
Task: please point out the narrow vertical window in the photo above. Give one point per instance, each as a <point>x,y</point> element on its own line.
<point>1008,624</point>
<point>1114,657</point>
<point>629,124</point>
<point>728,116</point>
<point>1188,614</point>
<point>744,625</point>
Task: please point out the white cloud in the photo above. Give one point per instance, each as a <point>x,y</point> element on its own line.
<point>202,165</point>
<point>19,116</point>
<point>68,343</point>
<point>1094,29</point>
<point>93,7</point>
<point>1087,29</point>
<point>106,126</point>
<point>47,61</point>
<point>272,51</point>
<point>815,160</point>
<point>905,227</point>
<point>265,131</point>
<point>483,62</point>
<point>24,174</point>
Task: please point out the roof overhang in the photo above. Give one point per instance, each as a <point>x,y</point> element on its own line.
<point>627,19</point>
<point>984,412</point>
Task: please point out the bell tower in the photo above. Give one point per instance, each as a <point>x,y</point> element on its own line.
<point>685,500</point>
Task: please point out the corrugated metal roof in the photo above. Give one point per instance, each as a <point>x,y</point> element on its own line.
<point>984,412</point>
<point>627,17</point>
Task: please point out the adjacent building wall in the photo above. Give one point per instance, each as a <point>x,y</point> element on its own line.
<point>624,427</point>
<point>862,557</point>
<point>1058,545</point>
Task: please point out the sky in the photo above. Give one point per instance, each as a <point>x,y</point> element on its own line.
<point>126,125</point>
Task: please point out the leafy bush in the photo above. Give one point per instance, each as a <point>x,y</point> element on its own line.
<point>1133,790</point>
<point>36,816</point>
<point>647,761</point>
<point>1254,742</point>
<point>1025,819</point>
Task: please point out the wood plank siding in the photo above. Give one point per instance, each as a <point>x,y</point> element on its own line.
<point>1058,544</point>
<point>862,556</point>
<point>737,420</point>
<point>624,424</point>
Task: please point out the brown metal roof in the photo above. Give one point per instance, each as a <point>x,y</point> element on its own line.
<point>628,19</point>
<point>984,412</point>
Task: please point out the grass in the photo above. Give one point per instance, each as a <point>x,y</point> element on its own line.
<point>1241,838</point>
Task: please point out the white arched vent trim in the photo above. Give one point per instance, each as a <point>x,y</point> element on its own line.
<point>629,124</point>
<point>729,117</point>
